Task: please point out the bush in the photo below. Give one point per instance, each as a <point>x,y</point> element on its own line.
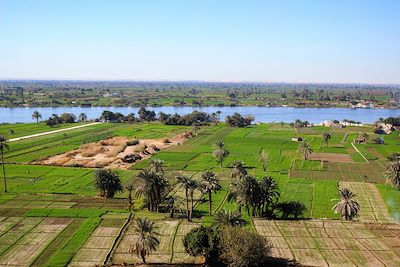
<point>201,241</point>
<point>239,247</point>
<point>228,246</point>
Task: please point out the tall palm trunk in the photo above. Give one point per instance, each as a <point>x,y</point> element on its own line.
<point>209,201</point>
<point>4,171</point>
<point>187,205</point>
<point>142,254</point>
<point>191,205</point>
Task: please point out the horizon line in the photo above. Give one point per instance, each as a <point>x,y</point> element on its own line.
<point>194,80</point>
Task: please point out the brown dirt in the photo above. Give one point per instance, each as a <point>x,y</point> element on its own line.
<point>110,152</point>
<point>331,157</point>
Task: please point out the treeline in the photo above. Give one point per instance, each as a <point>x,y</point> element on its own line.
<point>395,121</point>
<point>197,118</point>
<point>55,119</point>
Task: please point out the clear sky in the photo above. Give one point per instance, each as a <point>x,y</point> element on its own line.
<point>273,41</point>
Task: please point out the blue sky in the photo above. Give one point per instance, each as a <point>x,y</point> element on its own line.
<point>273,41</point>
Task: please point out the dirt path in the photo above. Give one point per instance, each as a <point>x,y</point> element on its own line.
<point>51,132</point>
<point>359,152</point>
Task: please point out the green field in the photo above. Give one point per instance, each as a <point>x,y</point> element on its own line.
<point>66,197</point>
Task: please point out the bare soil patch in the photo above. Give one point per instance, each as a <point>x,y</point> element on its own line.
<point>331,157</point>
<point>115,152</point>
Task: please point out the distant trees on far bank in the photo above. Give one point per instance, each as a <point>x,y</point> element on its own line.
<point>195,118</point>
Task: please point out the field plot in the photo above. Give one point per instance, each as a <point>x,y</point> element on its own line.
<point>170,248</point>
<point>332,243</point>
<point>342,171</point>
<point>99,244</point>
<point>373,208</point>
<point>25,240</point>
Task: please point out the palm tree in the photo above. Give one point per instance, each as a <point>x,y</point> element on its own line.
<point>82,117</point>
<point>347,206</point>
<point>220,153</point>
<point>154,186</point>
<point>229,218</point>
<point>146,238</point>
<point>193,185</point>
<point>36,116</point>
<point>263,159</point>
<point>130,187</point>
<point>189,185</point>
<point>3,146</point>
<point>269,193</point>
<point>238,170</point>
<point>156,165</point>
<point>326,136</point>
<point>246,193</point>
<point>209,183</point>
<point>393,170</point>
<point>304,149</point>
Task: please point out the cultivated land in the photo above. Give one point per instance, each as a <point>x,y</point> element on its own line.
<point>52,217</point>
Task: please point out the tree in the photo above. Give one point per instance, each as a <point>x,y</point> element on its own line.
<point>130,188</point>
<point>304,149</point>
<point>156,165</point>
<point>146,238</point>
<point>263,159</point>
<point>238,170</point>
<point>3,146</point>
<point>269,193</point>
<point>209,184</point>
<point>36,116</point>
<point>229,218</point>
<point>245,193</point>
<point>82,117</point>
<point>68,118</point>
<point>107,182</point>
<point>326,136</point>
<point>220,153</point>
<point>347,207</point>
<point>239,247</point>
<point>392,173</point>
<point>189,185</point>
<point>202,241</point>
<point>154,186</point>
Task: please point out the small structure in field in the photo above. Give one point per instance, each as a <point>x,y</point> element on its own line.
<point>386,128</point>
<point>297,139</point>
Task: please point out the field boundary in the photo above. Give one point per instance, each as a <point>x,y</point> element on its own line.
<point>108,259</point>
<point>359,152</point>
<point>52,132</point>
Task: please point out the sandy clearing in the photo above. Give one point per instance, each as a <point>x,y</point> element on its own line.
<point>331,157</point>
<point>114,152</point>
<point>52,132</point>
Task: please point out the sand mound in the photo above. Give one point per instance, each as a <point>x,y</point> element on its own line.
<point>114,152</point>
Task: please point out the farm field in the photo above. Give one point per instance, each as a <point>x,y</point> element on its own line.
<point>85,230</point>
<point>333,243</point>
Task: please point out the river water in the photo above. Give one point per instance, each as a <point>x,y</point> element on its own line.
<point>261,114</point>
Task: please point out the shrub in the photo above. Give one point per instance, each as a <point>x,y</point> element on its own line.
<point>201,241</point>
<point>239,247</point>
